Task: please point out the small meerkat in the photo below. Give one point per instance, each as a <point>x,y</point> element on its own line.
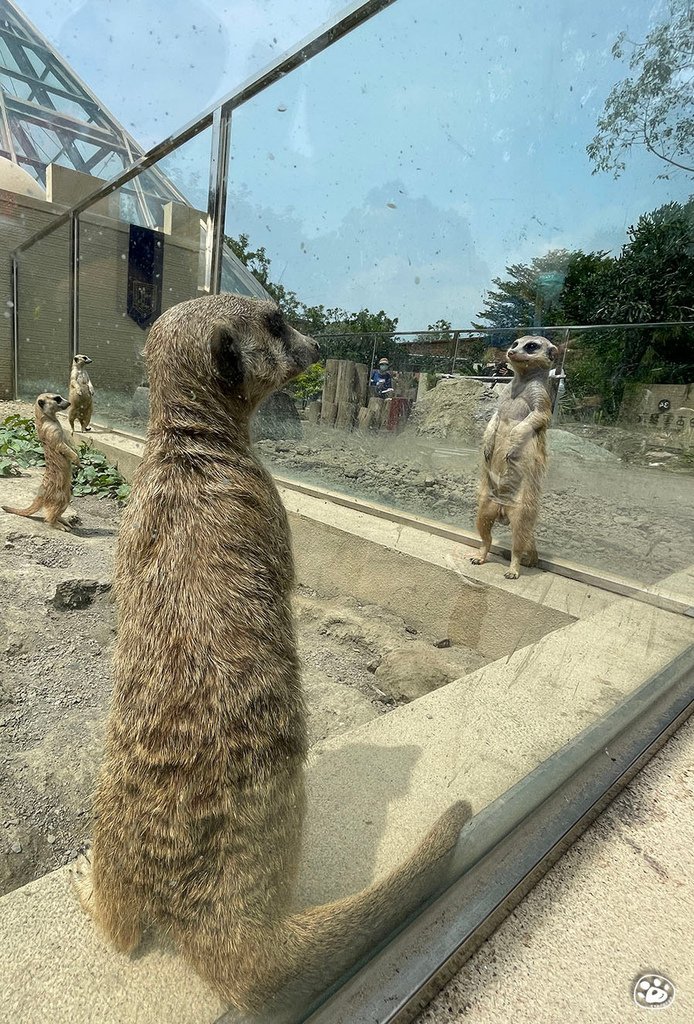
<point>81,394</point>
<point>515,453</point>
<point>56,487</point>
<point>200,805</point>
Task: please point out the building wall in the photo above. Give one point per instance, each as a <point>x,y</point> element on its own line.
<point>20,217</point>
<point>106,332</point>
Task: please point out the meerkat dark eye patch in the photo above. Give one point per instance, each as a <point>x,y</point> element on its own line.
<point>226,354</point>
<point>531,347</point>
<point>276,324</point>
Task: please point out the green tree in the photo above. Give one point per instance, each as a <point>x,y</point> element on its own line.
<point>521,300</point>
<point>654,107</point>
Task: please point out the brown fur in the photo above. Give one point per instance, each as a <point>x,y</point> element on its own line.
<point>80,394</point>
<point>515,453</point>
<point>56,487</point>
<point>200,806</point>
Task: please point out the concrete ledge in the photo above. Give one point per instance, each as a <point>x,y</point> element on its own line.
<point>372,792</point>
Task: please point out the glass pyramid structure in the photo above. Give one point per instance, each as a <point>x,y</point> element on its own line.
<point>48,115</point>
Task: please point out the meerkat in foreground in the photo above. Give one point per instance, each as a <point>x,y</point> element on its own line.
<point>200,805</point>
<point>81,394</point>
<point>56,487</point>
<point>515,453</point>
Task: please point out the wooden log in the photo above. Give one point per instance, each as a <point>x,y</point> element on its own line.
<point>363,419</point>
<point>330,380</point>
<point>313,412</point>
<point>346,415</point>
<point>362,382</point>
<point>328,413</point>
<point>345,390</point>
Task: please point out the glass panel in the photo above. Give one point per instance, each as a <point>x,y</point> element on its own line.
<point>44,349</point>
<point>431,203</point>
<point>127,277</point>
<point>458,232</point>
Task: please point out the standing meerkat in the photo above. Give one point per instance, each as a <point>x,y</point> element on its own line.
<point>81,394</point>
<point>515,453</point>
<point>56,487</point>
<point>200,805</point>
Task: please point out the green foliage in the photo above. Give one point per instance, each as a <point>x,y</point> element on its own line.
<point>309,383</point>
<point>20,448</point>
<point>653,108</point>
<point>8,467</point>
<point>651,281</point>
<point>519,299</point>
<point>96,475</point>
<point>18,442</point>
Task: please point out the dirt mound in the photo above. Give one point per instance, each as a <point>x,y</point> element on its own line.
<point>455,408</point>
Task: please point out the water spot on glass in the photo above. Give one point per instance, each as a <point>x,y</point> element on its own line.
<point>10,304</point>
<point>281,108</point>
<point>6,315</point>
<point>122,256</point>
<point>271,156</point>
<point>391,206</point>
<point>417,280</point>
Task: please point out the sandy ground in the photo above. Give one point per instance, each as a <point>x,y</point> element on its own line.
<point>57,628</point>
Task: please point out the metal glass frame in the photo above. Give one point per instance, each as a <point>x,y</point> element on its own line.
<point>506,848</point>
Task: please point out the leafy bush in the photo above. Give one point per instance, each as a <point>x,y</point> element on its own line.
<point>19,444</point>
<point>96,475</point>
<point>20,448</point>
<point>309,383</point>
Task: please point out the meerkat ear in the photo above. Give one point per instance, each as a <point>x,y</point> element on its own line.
<point>42,402</point>
<point>552,352</point>
<point>226,354</point>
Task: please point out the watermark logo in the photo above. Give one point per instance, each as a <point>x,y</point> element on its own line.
<point>654,992</point>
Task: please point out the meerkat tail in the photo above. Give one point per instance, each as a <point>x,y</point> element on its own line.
<point>299,956</point>
<point>36,504</point>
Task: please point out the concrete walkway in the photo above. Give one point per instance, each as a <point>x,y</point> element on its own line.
<point>618,904</point>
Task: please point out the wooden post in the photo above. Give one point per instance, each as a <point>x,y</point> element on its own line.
<point>362,396</point>
<point>346,414</point>
<point>328,413</point>
<point>313,412</point>
<point>330,380</point>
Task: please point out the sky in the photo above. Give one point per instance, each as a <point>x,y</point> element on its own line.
<point>408,165</point>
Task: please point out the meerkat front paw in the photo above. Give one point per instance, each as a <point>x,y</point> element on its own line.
<point>478,561</point>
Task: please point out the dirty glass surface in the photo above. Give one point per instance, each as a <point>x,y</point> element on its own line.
<point>431,188</point>
<point>436,206</point>
<point>142,250</point>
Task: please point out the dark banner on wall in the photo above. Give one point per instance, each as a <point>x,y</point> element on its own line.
<point>145,266</point>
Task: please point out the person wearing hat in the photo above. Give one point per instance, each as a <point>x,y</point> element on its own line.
<point>381,378</point>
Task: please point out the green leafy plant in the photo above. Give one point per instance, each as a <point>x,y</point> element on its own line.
<point>96,475</point>
<point>309,383</point>
<point>20,448</point>
<point>19,443</point>
<point>8,467</point>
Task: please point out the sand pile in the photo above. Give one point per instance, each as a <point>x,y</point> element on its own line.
<point>455,408</point>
